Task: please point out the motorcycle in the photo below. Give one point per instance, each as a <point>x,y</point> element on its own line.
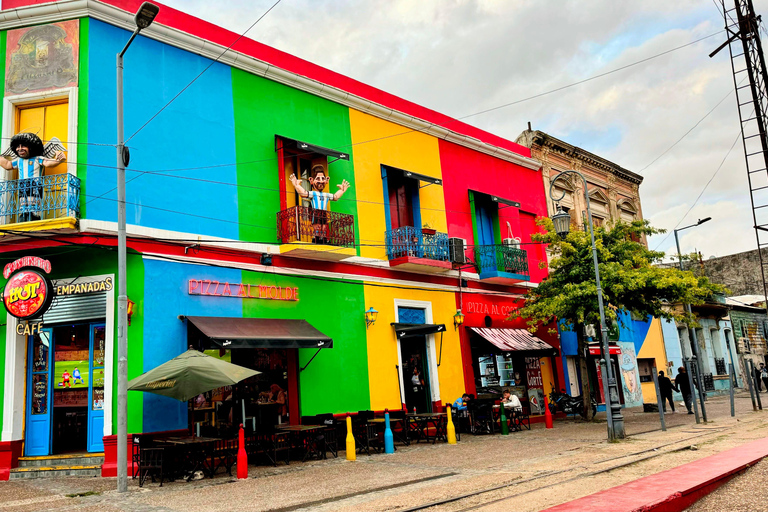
<point>560,401</point>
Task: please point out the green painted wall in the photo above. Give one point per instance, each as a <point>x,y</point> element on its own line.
<point>263,109</point>
<point>82,114</point>
<point>337,379</point>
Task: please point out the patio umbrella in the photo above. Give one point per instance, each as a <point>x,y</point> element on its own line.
<point>188,375</point>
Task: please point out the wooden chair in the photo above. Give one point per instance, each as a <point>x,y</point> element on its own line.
<point>330,434</point>
<point>151,464</point>
<point>365,434</point>
<point>139,441</point>
<point>401,433</point>
<point>272,442</point>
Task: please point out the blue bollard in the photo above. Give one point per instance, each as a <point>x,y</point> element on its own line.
<point>389,442</point>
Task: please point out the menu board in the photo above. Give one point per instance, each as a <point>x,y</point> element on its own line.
<point>40,393</point>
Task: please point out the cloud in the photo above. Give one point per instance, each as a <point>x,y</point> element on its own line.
<point>462,56</point>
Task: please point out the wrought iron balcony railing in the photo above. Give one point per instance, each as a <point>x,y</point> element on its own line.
<point>501,258</point>
<point>720,366</point>
<point>409,241</point>
<point>48,197</point>
<point>305,224</point>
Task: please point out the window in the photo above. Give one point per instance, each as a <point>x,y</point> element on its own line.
<point>401,192</point>
<point>301,163</point>
<point>46,121</point>
<point>645,369</point>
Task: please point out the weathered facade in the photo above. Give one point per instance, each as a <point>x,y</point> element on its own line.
<point>740,273</point>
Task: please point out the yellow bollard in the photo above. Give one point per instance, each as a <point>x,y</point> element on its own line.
<point>450,430</point>
<point>351,450</point>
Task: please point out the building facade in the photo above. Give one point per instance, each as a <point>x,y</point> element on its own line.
<point>225,252</point>
<point>637,344</point>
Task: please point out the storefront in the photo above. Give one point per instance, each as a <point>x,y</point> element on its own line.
<point>501,354</point>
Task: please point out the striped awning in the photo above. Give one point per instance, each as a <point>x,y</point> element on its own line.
<point>518,340</point>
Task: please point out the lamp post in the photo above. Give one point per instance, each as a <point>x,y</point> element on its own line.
<point>692,332</point>
<point>144,17</point>
<point>562,223</point>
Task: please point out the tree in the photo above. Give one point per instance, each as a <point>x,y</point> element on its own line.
<point>629,279</point>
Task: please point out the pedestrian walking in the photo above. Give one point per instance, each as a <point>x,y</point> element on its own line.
<point>757,379</point>
<point>666,387</point>
<point>764,375</point>
<point>681,381</point>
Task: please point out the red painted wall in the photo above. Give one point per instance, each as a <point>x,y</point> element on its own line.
<point>464,169</point>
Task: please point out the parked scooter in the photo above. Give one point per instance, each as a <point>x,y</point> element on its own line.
<point>560,401</point>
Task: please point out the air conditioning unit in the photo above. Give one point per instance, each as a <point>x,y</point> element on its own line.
<point>456,247</point>
<point>511,242</point>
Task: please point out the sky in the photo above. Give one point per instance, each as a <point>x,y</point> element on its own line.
<point>460,57</point>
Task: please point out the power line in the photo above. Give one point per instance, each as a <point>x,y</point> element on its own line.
<point>203,71</point>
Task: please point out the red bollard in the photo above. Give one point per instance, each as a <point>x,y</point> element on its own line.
<point>242,457</point>
<point>547,414</point>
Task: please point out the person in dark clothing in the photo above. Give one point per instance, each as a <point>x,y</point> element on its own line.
<point>666,387</point>
<point>756,373</point>
<point>685,388</point>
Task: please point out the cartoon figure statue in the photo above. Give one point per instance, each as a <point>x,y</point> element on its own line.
<point>320,200</point>
<point>31,157</point>
<point>65,380</point>
<point>76,376</point>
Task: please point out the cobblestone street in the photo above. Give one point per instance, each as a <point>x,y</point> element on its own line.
<point>530,470</point>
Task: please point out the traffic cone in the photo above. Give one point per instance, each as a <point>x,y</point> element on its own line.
<point>547,414</point>
<point>450,429</point>
<point>242,457</point>
<point>389,440</point>
<point>351,450</point>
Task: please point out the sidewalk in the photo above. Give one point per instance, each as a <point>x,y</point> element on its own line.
<point>525,471</point>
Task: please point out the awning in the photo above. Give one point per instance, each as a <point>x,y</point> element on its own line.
<point>228,332</point>
<point>517,340</point>
<point>416,176</point>
<point>407,330</point>
<point>497,199</point>
<point>613,349</point>
<point>311,148</point>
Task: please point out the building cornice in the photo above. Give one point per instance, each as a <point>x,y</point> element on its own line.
<point>557,146</point>
<point>69,9</point>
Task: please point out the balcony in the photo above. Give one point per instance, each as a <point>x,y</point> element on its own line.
<point>47,202</point>
<point>419,250</point>
<point>501,264</point>
<point>316,234</point>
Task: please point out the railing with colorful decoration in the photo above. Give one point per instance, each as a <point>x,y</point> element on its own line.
<point>48,197</point>
<point>305,224</point>
<point>417,243</point>
<point>501,258</point>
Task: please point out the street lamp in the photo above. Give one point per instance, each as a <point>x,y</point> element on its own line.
<point>692,332</point>
<point>144,17</point>
<point>562,223</point>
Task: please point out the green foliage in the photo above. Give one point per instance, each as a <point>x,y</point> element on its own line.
<point>630,279</point>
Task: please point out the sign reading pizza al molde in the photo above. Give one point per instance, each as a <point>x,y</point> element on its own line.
<point>28,293</point>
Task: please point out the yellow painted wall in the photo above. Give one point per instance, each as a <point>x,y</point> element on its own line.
<point>382,345</point>
<point>547,375</point>
<point>653,347</point>
<point>399,147</point>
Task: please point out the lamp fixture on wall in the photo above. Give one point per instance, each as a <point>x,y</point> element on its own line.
<point>370,317</point>
<point>458,319</point>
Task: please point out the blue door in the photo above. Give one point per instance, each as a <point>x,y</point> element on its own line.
<point>96,390</point>
<point>486,238</point>
<point>37,439</point>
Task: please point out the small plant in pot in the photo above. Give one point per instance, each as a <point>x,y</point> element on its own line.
<point>426,230</point>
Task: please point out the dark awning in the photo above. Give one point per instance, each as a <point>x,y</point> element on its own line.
<point>518,340</point>
<point>227,332</point>
<point>311,148</point>
<point>497,199</point>
<point>416,176</point>
<point>407,330</point>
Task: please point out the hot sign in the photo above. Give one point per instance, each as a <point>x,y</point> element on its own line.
<point>28,294</point>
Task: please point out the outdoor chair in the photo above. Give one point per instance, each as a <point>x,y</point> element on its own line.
<point>139,441</point>
<point>481,414</point>
<point>151,464</point>
<point>330,433</point>
<point>366,435</point>
<point>224,455</point>
<point>368,415</point>
<point>400,433</point>
<point>271,442</point>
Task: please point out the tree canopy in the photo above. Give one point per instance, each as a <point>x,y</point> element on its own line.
<point>630,277</point>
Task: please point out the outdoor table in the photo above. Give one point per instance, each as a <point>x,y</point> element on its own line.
<point>401,435</point>
<point>420,423</point>
<point>305,436</point>
<point>191,454</point>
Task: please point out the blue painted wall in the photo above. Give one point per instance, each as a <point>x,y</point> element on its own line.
<point>196,130</point>
<point>165,336</point>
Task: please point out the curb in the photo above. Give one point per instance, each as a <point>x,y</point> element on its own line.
<point>672,490</point>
